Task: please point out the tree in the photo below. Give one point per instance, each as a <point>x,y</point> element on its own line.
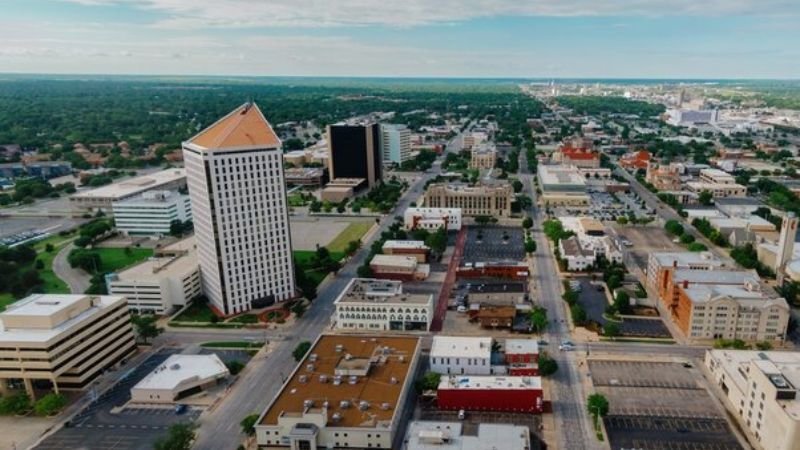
<point>578,314</point>
<point>299,309</point>
<point>673,227</point>
<point>146,327</point>
<point>482,220</point>
<point>530,246</point>
<point>705,198</point>
<point>352,247</point>
<point>622,220</point>
<point>84,259</point>
<point>622,302</point>
<point>437,241</point>
<point>50,404</point>
<point>179,437</point>
<point>301,350</point>
<point>527,223</point>
<point>597,404</point>
<point>18,403</point>
<point>611,329</point>
<point>547,365</point>
<point>49,248</point>
<point>517,185</point>
<point>687,239</point>
<point>248,424</point>
<point>428,382</point>
<point>364,271</point>
<point>538,318</point>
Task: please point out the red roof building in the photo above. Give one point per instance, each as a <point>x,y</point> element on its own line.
<point>636,160</point>
<point>578,156</point>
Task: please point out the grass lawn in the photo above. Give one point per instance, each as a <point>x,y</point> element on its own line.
<point>197,312</point>
<point>297,200</point>
<point>303,258</point>
<point>245,318</point>
<point>5,300</point>
<point>353,232</point>
<point>115,259</point>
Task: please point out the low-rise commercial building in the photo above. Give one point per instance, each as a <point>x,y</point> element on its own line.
<point>663,178</point>
<point>368,304</point>
<point>178,377</point>
<point>461,355</point>
<point>577,156</point>
<point>522,357</point>
<point>562,185</point>
<point>492,269</point>
<point>151,213</point>
<point>168,280</point>
<point>635,160</point>
<point>340,189</point>
<point>432,218</point>
<point>395,143</point>
<point>716,176</point>
<point>661,265</point>
<point>102,198</point>
<point>490,393</point>
<point>348,392</point>
<point>494,317</point>
<point>497,294</point>
<point>452,436</point>
<point>717,190</point>
<point>398,267</point>
<point>417,249</point>
<point>304,176</point>
<point>760,390</point>
<point>577,257</point>
<point>67,340</point>
<point>482,200</point>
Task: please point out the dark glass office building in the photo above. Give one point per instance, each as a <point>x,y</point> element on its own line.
<point>355,152</point>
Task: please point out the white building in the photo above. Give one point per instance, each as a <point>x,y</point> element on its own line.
<point>164,282</point>
<point>151,213</point>
<point>236,182</point>
<point>461,355</point>
<point>395,143</point>
<point>178,377</point>
<point>67,340</point>
<point>760,390</point>
<point>716,176</point>
<point>369,304</point>
<point>432,218</point>
<point>424,435</point>
<point>103,197</point>
<point>687,117</point>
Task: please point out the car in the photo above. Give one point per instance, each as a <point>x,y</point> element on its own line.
<point>180,409</point>
<point>462,414</point>
<point>567,342</point>
<point>542,342</point>
<point>461,309</point>
<point>566,348</point>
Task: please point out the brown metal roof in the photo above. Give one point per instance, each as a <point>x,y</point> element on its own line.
<point>376,388</point>
<point>244,127</point>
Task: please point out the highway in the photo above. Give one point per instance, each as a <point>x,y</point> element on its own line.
<point>263,376</point>
<point>571,420</point>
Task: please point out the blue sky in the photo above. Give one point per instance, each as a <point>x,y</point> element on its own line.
<point>443,38</point>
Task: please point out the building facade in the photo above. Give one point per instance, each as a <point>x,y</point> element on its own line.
<point>432,218</point>
<point>104,197</point>
<point>458,355</point>
<point>760,390</point>
<point>67,340</point>
<point>369,304</point>
<point>481,200</point>
<point>151,213</point>
<point>241,215</point>
<point>355,152</point>
<point>395,143</point>
<point>490,393</point>
<point>483,158</point>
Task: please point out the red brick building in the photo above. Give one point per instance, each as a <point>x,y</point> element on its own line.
<point>490,393</point>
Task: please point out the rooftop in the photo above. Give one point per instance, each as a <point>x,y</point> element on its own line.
<point>41,317</point>
<point>489,382</point>
<point>479,288</point>
<point>133,186</point>
<point>461,347</point>
<point>244,127</point>
<point>687,259</point>
<point>179,369</point>
<point>160,267</point>
<point>715,276</point>
<point>408,245</point>
<point>408,262</point>
<point>361,290</point>
<point>746,295</point>
<point>572,247</point>
<point>451,436</point>
<point>315,382</point>
<point>153,197</point>
<point>521,347</point>
<point>555,175</point>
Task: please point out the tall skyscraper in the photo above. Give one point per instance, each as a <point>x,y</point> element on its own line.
<point>355,152</point>
<point>234,171</point>
<point>786,241</point>
<point>395,143</point>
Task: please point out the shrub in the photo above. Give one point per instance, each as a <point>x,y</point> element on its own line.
<point>50,404</point>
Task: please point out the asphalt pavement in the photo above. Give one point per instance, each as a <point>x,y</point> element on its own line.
<point>77,280</point>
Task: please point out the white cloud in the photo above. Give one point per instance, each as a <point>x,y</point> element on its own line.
<point>188,14</point>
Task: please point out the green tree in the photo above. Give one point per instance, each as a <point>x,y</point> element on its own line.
<point>50,404</point>
<point>482,220</point>
<point>538,317</point>
<point>517,185</point>
<point>248,424</point>
<point>530,246</point>
<point>18,403</point>
<point>301,350</point>
<point>705,198</point>
<point>674,227</point>
<point>578,314</point>
<point>610,329</point>
<point>687,239</point>
<point>179,437</point>
<point>146,327</point>
<point>597,404</point>
<point>234,367</point>
<point>428,382</point>
<point>622,302</point>
<point>352,247</point>
<point>527,223</point>
<point>85,259</point>
<point>547,365</point>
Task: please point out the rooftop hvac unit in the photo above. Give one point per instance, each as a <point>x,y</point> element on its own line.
<point>344,404</point>
<point>348,357</point>
<point>337,380</point>
<point>303,379</point>
<point>393,380</point>
<point>312,357</point>
<point>175,366</point>
<point>339,348</point>
<point>363,405</point>
<point>323,378</point>
<point>336,417</point>
<point>402,359</point>
<point>385,406</point>
<point>308,403</point>
<point>326,404</point>
<point>353,379</point>
<point>310,367</point>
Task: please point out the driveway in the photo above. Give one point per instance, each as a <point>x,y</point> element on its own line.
<point>77,280</point>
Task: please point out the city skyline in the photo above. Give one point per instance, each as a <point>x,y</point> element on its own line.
<point>498,39</point>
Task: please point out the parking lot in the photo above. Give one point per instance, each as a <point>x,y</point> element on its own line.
<point>492,246</point>
<point>660,406</point>
<point>101,426</point>
<point>645,240</point>
<point>594,302</point>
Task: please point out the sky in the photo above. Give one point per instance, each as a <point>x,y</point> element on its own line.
<point>404,38</point>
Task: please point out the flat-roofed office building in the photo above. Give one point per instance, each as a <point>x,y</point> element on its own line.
<point>369,304</point>
<point>102,198</point>
<point>66,340</point>
<point>481,200</point>
<point>151,213</point>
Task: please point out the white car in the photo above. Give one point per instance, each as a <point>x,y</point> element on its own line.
<point>566,347</point>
